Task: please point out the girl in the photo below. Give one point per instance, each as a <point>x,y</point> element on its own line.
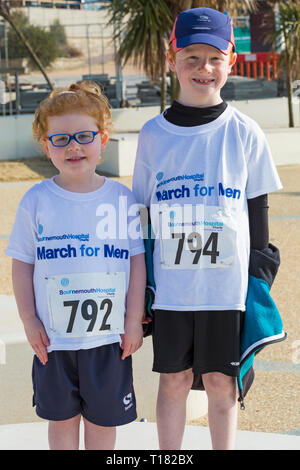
<point>79,288</point>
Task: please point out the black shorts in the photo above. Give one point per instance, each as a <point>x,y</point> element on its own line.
<point>95,383</point>
<point>206,341</point>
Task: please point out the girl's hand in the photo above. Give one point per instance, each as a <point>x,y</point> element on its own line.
<point>37,337</point>
<point>132,339</point>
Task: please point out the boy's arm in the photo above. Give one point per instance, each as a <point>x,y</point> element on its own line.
<point>258,222</point>
<point>132,339</point>
<point>22,278</point>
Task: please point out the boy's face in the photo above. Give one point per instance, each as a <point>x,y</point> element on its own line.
<point>202,71</point>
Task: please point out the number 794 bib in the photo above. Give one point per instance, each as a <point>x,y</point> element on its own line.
<point>86,304</point>
<point>203,237</point>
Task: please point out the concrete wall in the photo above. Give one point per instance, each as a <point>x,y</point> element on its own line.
<point>272,115</point>
<point>16,134</point>
<point>268,113</point>
<point>16,137</point>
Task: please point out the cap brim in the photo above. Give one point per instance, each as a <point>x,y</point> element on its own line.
<point>209,39</point>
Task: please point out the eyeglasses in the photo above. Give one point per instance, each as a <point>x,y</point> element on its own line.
<point>83,137</point>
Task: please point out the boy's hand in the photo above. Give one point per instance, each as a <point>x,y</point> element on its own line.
<point>132,339</point>
<point>37,337</point>
<point>146,318</point>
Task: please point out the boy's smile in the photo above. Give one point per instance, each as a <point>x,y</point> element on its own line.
<point>202,71</point>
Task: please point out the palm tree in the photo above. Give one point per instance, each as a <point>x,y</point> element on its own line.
<point>145,26</point>
<point>287,37</point>
<point>5,13</point>
<point>142,34</point>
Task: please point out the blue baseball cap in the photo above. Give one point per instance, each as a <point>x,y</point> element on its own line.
<point>203,26</point>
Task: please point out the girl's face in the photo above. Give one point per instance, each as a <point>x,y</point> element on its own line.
<point>74,160</point>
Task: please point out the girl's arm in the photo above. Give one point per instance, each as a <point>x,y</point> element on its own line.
<point>135,306</point>
<point>22,278</point>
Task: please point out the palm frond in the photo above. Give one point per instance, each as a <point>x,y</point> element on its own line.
<point>144,26</point>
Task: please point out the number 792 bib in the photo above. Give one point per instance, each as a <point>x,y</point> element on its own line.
<point>86,304</point>
<point>201,237</point>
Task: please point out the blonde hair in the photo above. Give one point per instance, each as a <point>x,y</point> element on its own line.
<point>83,98</point>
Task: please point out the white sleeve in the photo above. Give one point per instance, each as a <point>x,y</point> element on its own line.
<point>22,241</point>
<point>142,175</point>
<point>262,174</point>
<point>136,242</point>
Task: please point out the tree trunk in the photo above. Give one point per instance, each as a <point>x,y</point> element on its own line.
<point>163,73</point>
<point>221,5</point>
<point>290,97</point>
<point>289,80</point>
<point>175,87</point>
<point>163,86</point>
<point>187,4</point>
<point>21,36</point>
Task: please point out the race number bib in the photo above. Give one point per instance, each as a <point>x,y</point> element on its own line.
<point>197,237</point>
<point>86,304</point>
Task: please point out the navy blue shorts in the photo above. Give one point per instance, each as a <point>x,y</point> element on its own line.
<point>95,383</point>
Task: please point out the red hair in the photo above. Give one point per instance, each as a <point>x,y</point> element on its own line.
<point>83,98</point>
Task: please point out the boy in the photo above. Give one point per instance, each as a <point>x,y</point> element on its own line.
<point>201,167</point>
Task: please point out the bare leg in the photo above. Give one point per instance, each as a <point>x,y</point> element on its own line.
<point>99,437</point>
<point>171,408</point>
<point>222,409</point>
<point>64,435</point>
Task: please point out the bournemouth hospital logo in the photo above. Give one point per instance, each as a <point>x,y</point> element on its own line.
<point>182,177</point>
<point>65,282</point>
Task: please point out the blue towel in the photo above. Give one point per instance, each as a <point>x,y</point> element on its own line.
<point>262,322</point>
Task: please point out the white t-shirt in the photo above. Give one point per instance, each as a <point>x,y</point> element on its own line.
<point>74,240</point>
<point>196,181</point>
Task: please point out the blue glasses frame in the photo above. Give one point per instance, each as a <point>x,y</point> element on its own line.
<point>73,137</point>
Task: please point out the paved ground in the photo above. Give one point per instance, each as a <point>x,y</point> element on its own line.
<point>272,405</point>
<point>143,436</point>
